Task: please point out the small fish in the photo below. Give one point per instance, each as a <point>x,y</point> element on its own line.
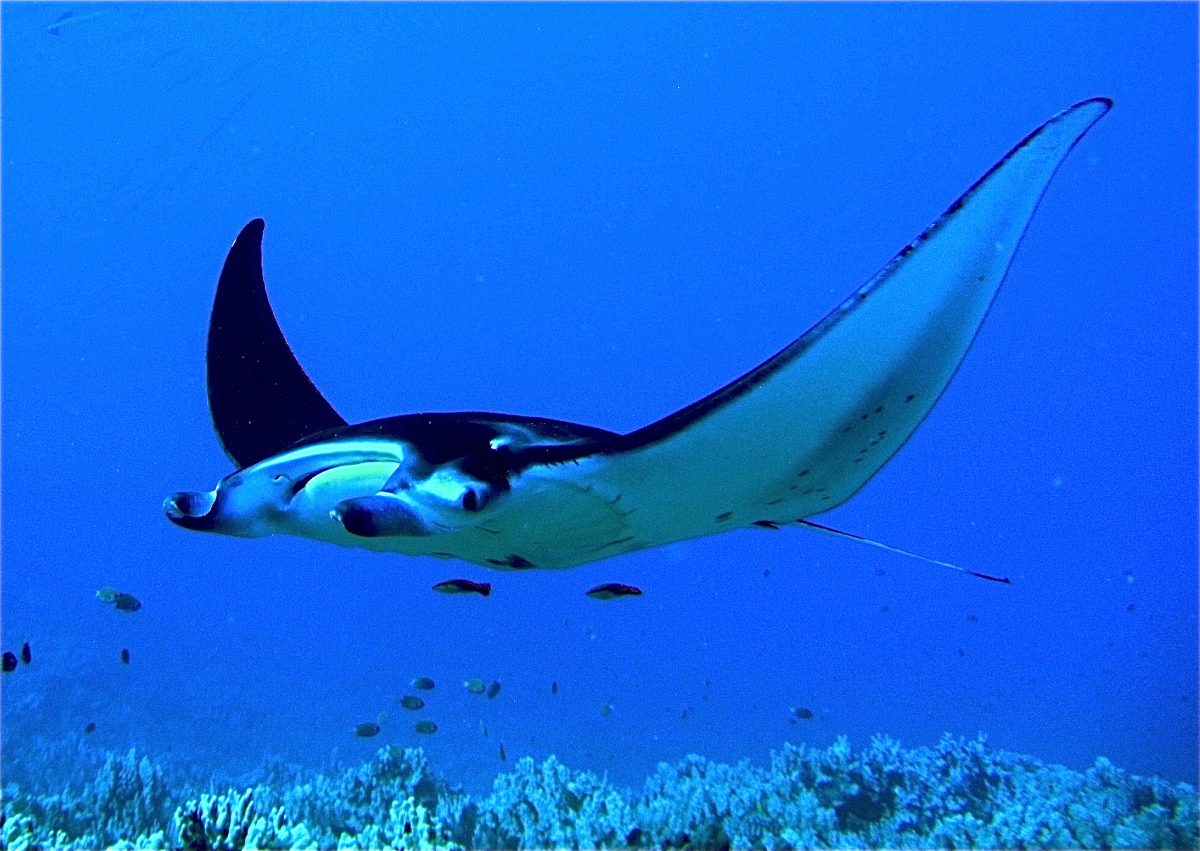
<point>124,655</point>
<point>26,653</point>
<point>10,661</point>
<point>973,618</point>
<point>803,713</point>
<point>381,718</point>
<point>126,603</point>
<point>475,686</point>
<point>503,755</point>
<point>463,586</point>
<point>613,590</point>
<point>119,599</point>
<point>483,729</point>
<point>493,689</point>
<point>90,728</point>
<point>413,702</point>
<point>606,709</point>
<point>554,687</point>
<point>425,728</point>
<point>367,729</point>
<point>423,683</point>
<point>766,572</point>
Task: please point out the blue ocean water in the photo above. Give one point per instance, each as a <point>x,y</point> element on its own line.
<point>596,213</point>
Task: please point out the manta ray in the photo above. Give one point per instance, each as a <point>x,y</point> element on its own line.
<point>794,437</point>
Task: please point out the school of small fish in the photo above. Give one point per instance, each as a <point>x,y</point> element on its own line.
<point>125,602</point>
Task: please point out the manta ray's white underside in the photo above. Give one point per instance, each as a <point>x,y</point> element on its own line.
<point>795,437</point>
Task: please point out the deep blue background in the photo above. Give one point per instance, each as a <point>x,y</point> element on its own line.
<point>597,213</point>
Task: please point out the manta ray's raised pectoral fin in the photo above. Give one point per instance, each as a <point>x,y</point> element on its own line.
<point>803,431</point>
<point>260,398</point>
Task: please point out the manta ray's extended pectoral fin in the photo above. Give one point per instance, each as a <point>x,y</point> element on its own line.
<point>803,431</point>
<point>259,396</point>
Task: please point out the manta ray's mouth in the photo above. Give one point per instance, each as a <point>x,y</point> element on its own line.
<point>191,509</point>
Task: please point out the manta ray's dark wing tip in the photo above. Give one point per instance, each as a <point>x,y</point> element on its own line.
<point>259,396</point>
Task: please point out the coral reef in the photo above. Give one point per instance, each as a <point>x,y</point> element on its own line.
<point>957,794</point>
<point>550,806</point>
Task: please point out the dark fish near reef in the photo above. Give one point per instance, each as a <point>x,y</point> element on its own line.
<point>125,655</point>
<point>367,729</point>
<point>126,603</point>
<point>493,689</point>
<point>803,713</point>
<point>26,653</point>
<point>475,686</point>
<point>503,755</point>
<point>423,683</point>
<point>606,709</point>
<point>464,586</point>
<point>119,600</point>
<point>412,702</point>
<point>792,438</point>
<point>613,590</point>
<point>90,728</point>
<point>554,687</point>
<point>10,661</point>
<point>425,728</point>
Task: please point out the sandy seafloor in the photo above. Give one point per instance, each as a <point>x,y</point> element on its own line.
<point>596,213</point>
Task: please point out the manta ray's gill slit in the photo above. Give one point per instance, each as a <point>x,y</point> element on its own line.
<point>615,543</point>
<point>512,560</point>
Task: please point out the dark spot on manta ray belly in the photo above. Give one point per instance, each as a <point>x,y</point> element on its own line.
<point>512,560</point>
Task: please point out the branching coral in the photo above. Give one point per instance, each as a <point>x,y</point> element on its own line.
<point>957,794</point>
<point>362,798</point>
<point>550,806</point>
<point>231,822</point>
